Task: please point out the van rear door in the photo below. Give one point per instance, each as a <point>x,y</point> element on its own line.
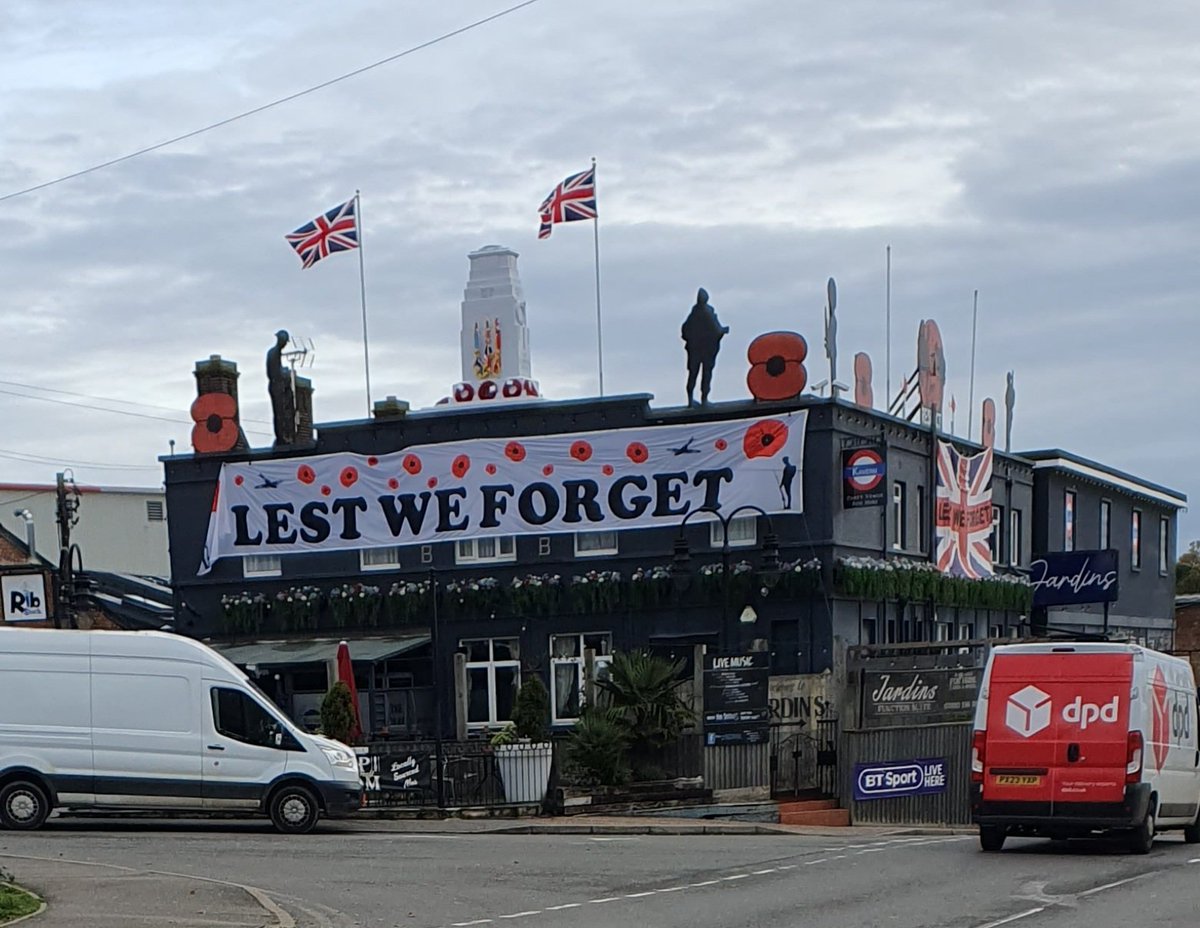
<point>1058,727</point>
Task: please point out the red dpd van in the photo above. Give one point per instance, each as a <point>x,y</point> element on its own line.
<point>1074,739</point>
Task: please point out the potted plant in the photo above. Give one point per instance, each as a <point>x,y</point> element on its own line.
<point>523,750</point>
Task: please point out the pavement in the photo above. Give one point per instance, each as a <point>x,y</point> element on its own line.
<point>429,874</point>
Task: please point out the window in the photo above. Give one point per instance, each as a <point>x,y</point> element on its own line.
<point>589,544</point>
<point>899,524</point>
<point>1164,540</point>
<point>566,671</point>
<point>261,565</point>
<point>1135,540</point>
<point>477,550</point>
<point>870,631</point>
<point>891,631</point>
<point>1069,520</point>
<point>942,631</point>
<point>996,541</point>
<point>155,512</point>
<point>995,631</point>
<point>1105,524</point>
<point>379,558</point>
<point>237,716</point>
<point>965,631</point>
<point>743,532</point>
<point>1014,537</point>
<point>493,675</point>
<point>922,521</point>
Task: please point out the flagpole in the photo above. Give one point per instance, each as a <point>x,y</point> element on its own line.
<point>599,326</point>
<point>362,289</point>
<point>971,397</point>
<point>888,326</point>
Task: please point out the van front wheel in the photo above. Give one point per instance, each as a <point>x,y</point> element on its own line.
<point>23,806</point>
<point>991,838</point>
<point>1191,834</point>
<point>294,810</point>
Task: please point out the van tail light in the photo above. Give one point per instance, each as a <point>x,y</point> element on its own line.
<point>978,749</point>
<point>1133,758</point>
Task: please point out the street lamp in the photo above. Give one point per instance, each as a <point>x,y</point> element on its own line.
<point>681,560</point>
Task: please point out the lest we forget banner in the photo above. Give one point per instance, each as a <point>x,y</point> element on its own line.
<point>588,481</point>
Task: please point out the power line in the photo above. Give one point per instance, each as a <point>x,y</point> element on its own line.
<point>103,399</point>
<point>40,459</point>
<point>266,106</point>
<point>116,412</point>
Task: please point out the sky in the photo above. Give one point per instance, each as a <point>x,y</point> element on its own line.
<point>1046,155</point>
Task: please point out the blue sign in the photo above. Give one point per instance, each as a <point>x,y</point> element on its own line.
<point>899,778</point>
<point>1070,578</point>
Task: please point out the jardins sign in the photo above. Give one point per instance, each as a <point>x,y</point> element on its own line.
<point>628,478</point>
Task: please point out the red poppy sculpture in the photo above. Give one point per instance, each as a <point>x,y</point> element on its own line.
<point>777,366</point>
<point>216,428</point>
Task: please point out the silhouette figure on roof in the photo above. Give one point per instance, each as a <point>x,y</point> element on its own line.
<point>702,333</point>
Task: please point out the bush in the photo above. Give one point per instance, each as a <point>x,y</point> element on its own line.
<point>337,713</point>
<point>531,710</point>
<point>642,694</point>
<point>597,752</point>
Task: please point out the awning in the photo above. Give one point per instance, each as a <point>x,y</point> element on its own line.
<point>309,650</point>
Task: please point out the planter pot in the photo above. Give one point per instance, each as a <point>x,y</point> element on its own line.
<point>524,770</point>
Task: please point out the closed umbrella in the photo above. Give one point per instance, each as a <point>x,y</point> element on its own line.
<point>345,672</point>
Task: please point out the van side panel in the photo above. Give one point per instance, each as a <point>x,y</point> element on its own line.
<point>45,713</point>
<point>1172,758</point>
<point>146,736</point>
<point>1057,728</point>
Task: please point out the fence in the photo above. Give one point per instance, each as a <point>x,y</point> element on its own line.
<point>951,743</point>
<point>406,774</point>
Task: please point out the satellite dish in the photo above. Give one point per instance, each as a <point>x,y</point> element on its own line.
<point>831,293</point>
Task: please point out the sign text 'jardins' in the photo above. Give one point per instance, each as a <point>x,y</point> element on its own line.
<point>631,478</point>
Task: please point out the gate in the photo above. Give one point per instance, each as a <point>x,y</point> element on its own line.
<point>804,759</point>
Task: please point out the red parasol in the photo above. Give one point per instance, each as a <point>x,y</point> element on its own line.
<point>345,672</point>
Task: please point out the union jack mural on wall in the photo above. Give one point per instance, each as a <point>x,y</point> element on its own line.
<point>963,519</point>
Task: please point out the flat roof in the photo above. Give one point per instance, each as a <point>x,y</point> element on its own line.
<point>1057,459</point>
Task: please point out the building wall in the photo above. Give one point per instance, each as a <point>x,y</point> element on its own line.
<point>114,533</point>
<point>1147,592</point>
<point>1187,632</point>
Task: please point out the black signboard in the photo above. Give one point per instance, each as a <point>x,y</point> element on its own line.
<point>735,697</point>
<point>864,470</point>
<point>1070,578</point>
<point>919,697</point>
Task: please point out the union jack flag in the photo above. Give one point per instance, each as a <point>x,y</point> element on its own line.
<point>572,200</point>
<point>336,230</point>
<point>963,518</point>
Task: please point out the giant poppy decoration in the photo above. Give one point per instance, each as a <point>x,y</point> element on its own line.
<point>764,438</point>
<point>777,366</point>
<point>216,428</point>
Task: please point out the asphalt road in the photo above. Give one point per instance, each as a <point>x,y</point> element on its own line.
<point>342,876</point>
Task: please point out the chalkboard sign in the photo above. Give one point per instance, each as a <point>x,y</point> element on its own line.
<point>736,708</point>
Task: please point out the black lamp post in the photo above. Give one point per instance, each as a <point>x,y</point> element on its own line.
<point>681,560</point>
<point>437,690</point>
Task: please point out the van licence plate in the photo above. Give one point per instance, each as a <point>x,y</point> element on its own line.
<point>1013,779</point>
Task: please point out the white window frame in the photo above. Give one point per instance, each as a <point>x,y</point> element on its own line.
<point>716,532</point>
<point>1164,541</point>
<point>466,550</point>
<point>1014,537</point>
<point>491,664</point>
<point>1070,516</point>
<point>261,565</point>
<point>1135,540</point>
<point>899,514</point>
<point>966,631</point>
<point>869,632</point>
<point>597,552</point>
<point>1105,524</point>
<point>577,662</point>
<point>392,563</point>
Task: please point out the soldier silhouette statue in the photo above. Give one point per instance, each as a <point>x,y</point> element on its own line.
<point>283,397</point>
<point>702,333</point>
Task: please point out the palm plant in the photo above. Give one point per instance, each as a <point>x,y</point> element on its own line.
<point>642,694</point>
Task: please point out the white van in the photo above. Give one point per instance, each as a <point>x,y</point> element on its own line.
<point>1077,738</point>
<point>150,720</point>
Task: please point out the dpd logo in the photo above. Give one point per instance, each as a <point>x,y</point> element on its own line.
<point>1084,714</point>
<point>1028,711</point>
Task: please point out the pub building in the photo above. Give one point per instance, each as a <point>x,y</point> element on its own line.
<point>525,535</point>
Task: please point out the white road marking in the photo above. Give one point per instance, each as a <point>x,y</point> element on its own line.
<point>673,889</point>
<point>736,876</point>
<point>640,895</point>
<point>605,899</point>
<point>1013,918</point>
<point>787,866</point>
<point>705,883</point>
<point>819,860</point>
<point>1195,860</point>
<point>565,905</point>
<point>478,921</point>
<point>1132,879</point>
<point>761,872</point>
<point>523,914</point>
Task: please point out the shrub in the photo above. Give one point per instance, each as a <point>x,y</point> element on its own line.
<point>642,694</point>
<point>531,710</point>
<point>597,752</point>
<point>337,713</point>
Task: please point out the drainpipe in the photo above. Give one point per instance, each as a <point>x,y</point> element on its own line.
<point>30,538</point>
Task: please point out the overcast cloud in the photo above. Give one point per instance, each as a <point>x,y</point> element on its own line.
<point>1045,154</point>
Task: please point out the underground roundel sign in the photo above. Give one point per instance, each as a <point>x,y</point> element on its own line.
<point>863,470</point>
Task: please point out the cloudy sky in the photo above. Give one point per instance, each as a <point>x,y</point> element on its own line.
<point>1045,154</point>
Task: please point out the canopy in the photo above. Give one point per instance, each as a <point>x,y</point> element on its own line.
<point>310,650</point>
